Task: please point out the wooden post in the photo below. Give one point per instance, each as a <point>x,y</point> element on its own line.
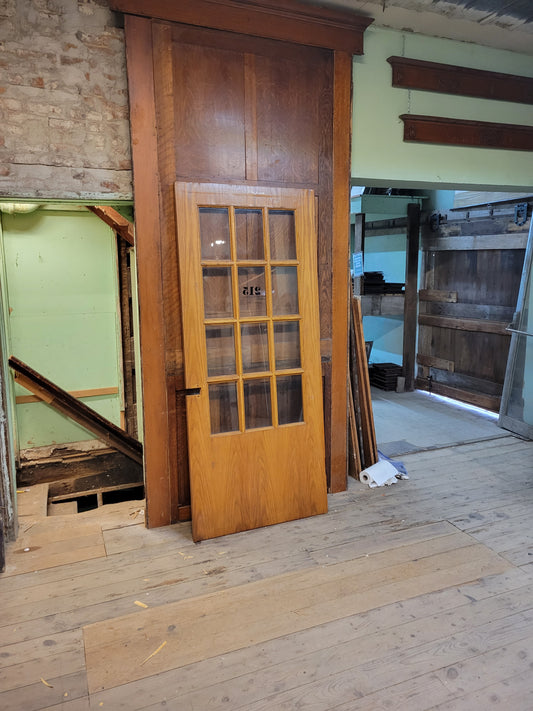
<point>340,257</point>
<point>411,294</point>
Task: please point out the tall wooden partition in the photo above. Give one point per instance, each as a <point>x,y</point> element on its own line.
<point>246,93</point>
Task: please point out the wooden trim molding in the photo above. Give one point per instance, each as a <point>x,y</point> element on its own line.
<point>488,402</point>
<point>342,92</point>
<point>470,243</point>
<point>286,20</point>
<point>460,132</point>
<point>93,392</point>
<point>462,81</point>
<point>464,324</point>
<point>139,52</point>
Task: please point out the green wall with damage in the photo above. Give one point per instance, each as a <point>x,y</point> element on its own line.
<point>60,296</point>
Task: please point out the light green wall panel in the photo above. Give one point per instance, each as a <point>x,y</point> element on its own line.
<point>386,253</point>
<point>62,295</point>
<point>39,424</point>
<point>386,332</point>
<point>379,154</point>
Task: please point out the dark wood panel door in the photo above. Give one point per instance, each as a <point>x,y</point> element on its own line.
<point>209,108</point>
<point>210,105</point>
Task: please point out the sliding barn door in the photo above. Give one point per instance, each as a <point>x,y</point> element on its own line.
<point>252,355</point>
<point>473,261</point>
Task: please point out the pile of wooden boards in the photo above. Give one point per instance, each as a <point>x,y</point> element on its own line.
<point>363,446</point>
<point>385,375</point>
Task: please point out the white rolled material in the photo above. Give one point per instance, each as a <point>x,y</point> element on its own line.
<point>381,474</point>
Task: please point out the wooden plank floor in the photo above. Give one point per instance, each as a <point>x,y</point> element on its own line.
<point>412,597</point>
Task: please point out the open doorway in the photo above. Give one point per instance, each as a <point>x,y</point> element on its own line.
<point>468,270</point>
<point>68,306</point>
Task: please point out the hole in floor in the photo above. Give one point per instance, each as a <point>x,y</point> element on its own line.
<point>89,501</point>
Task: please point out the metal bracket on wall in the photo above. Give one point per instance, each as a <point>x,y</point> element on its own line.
<point>520,213</point>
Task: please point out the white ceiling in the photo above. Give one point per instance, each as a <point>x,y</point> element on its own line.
<point>505,24</point>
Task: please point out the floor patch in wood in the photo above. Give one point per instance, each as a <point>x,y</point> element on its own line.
<point>52,541</point>
<point>154,640</point>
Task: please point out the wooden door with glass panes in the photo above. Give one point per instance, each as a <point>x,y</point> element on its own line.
<point>247,259</point>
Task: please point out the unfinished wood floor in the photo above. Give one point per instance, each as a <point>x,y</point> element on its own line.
<point>413,597</point>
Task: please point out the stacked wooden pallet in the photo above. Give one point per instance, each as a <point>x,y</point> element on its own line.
<point>363,446</point>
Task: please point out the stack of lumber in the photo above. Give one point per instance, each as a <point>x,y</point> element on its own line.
<point>374,283</point>
<point>385,375</point>
<point>363,446</point>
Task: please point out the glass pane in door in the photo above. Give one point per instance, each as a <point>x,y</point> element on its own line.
<point>254,345</point>
<point>220,347</point>
<point>284,291</point>
<point>282,234</point>
<point>290,407</point>
<point>257,404</point>
<point>287,344</point>
<point>249,234</point>
<point>214,233</point>
<point>218,298</point>
<point>223,407</point>
<point>252,292</point>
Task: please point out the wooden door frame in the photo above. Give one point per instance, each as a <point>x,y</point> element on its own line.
<point>161,490</point>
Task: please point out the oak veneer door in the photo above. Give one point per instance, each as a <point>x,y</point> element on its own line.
<point>247,259</point>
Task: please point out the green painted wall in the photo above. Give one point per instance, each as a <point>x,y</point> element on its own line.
<point>379,154</point>
<point>62,296</point>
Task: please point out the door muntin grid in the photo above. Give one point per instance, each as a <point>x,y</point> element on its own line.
<point>252,318</point>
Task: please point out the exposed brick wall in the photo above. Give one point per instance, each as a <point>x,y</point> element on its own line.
<point>64,130</point>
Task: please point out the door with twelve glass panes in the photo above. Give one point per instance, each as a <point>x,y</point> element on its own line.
<point>248,275</point>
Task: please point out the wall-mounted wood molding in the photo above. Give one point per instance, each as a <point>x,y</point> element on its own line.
<point>93,392</point>
<point>464,324</point>
<point>463,81</point>
<point>448,297</point>
<point>488,402</point>
<point>459,132</point>
<point>475,242</point>
<point>433,362</point>
<point>274,19</point>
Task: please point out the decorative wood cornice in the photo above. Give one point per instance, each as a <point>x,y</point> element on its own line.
<point>459,132</point>
<point>285,20</point>
<point>463,81</point>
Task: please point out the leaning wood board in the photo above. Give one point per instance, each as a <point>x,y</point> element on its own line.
<point>370,449</point>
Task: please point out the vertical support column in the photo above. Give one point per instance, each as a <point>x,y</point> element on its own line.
<point>139,52</point>
<point>342,112</point>
<point>411,295</point>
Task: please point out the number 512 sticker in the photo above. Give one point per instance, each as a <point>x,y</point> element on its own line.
<point>251,291</point>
